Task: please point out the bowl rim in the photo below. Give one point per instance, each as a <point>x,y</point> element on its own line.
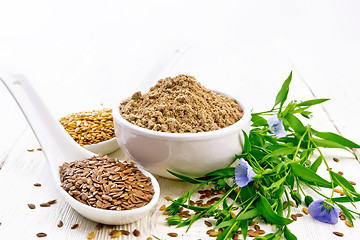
<point>241,124</point>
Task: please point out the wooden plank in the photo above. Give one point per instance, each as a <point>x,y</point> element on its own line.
<point>258,80</point>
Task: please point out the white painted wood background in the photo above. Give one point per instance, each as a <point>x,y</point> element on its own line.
<point>79,54</point>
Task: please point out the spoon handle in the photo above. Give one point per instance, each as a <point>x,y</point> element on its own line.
<point>56,143</point>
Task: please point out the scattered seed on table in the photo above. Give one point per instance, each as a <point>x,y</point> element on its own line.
<point>168,198</point>
<point>172,234</point>
<point>352,183</point>
<point>113,231</point>
<point>292,203</point>
<point>60,224</point>
<point>149,238</point>
<point>202,196</point>
<point>162,208</point>
<point>91,235</point>
<point>342,217</point>
<point>74,226</point>
<point>305,210</point>
<point>340,173</point>
<point>39,149</point>
<point>51,201</point>
<point>299,215</point>
<point>136,233</point>
<point>254,234</point>
<point>31,206</point>
<point>339,234</point>
<point>40,235</point>
<point>207,223</point>
<point>336,159</point>
<point>116,234</point>
<point>338,190</point>
<point>44,205</point>
<point>253,223</point>
<point>294,217</point>
<point>165,213</point>
<point>99,226</point>
<point>37,184</point>
<point>260,232</point>
<point>111,226</point>
<point>209,231</point>
<point>30,150</point>
<point>257,227</point>
<point>213,233</point>
<point>349,224</point>
<point>125,232</point>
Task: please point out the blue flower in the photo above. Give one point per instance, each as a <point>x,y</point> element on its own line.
<point>276,126</point>
<point>324,211</point>
<point>243,173</point>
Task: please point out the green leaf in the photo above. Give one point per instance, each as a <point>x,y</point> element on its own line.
<point>345,199</point>
<point>309,103</point>
<point>275,184</point>
<point>185,178</point>
<point>327,143</point>
<point>224,172</point>
<point>268,213</point>
<point>347,213</point>
<point>336,138</point>
<point>340,180</point>
<point>258,121</point>
<point>229,231</point>
<point>289,108</point>
<point>305,114</point>
<point>244,225</point>
<point>247,144</point>
<point>294,123</point>
<point>280,152</point>
<point>225,223</point>
<point>306,174</point>
<point>247,192</point>
<point>282,94</point>
<point>314,167</point>
<point>288,235</point>
<point>249,214</point>
<point>280,207</point>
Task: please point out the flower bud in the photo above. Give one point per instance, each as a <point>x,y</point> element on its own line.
<point>308,200</point>
<point>297,197</point>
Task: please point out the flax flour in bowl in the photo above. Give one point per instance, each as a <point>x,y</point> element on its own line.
<point>181,126</point>
<point>180,105</point>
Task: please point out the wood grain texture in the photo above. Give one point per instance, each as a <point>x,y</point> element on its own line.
<point>77,63</point>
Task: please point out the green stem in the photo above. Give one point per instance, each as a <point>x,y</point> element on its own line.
<point>299,144</point>
<point>327,166</point>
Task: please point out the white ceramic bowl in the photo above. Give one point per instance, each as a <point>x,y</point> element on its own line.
<point>191,154</point>
<point>104,147</point>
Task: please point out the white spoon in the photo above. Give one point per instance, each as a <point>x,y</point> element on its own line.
<point>59,147</point>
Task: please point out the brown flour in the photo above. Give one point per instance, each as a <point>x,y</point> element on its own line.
<point>180,105</point>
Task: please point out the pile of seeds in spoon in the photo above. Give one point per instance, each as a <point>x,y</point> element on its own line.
<point>106,183</point>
